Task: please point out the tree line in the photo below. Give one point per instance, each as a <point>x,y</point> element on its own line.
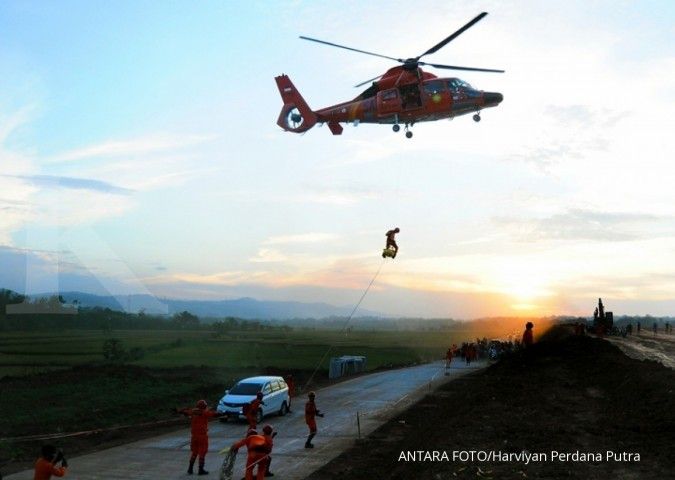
<point>21,313</point>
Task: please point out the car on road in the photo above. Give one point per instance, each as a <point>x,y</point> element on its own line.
<point>275,397</point>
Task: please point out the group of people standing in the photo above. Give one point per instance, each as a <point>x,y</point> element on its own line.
<point>258,445</point>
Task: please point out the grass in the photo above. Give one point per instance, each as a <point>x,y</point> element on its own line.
<point>58,381</point>
<point>29,353</point>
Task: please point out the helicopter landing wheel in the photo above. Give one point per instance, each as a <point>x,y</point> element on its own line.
<point>476,118</point>
<point>408,134</point>
<point>396,127</point>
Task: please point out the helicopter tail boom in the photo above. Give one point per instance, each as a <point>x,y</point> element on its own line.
<point>295,116</point>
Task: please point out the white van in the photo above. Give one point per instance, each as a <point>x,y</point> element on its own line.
<point>275,397</point>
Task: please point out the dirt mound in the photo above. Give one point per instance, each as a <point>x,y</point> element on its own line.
<point>569,394</point>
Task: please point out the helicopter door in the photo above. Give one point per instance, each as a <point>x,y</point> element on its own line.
<point>388,102</point>
<point>436,96</point>
<point>410,95</point>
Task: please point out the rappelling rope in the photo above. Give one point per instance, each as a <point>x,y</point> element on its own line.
<point>330,347</point>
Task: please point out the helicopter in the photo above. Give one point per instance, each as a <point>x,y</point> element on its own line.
<point>404,94</point>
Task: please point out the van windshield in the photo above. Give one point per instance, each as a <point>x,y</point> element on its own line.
<point>246,389</point>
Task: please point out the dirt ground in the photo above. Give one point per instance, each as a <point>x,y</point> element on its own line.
<point>571,394</point>
<point>647,346</point>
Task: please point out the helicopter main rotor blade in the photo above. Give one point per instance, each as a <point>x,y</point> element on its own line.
<point>453,67</point>
<point>454,35</point>
<point>352,49</point>
<point>367,81</point>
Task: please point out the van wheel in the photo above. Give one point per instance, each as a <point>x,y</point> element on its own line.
<point>284,409</point>
<point>259,416</point>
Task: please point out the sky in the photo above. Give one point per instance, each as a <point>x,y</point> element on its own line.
<point>140,154</point>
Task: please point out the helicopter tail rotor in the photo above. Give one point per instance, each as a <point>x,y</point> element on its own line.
<point>295,116</point>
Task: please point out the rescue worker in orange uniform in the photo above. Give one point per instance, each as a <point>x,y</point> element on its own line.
<point>528,337</point>
<point>448,358</point>
<point>256,451</point>
<point>391,240</point>
<point>199,428</point>
<point>290,381</point>
<point>252,410</point>
<point>46,465</point>
<point>269,434</point>
<point>311,412</point>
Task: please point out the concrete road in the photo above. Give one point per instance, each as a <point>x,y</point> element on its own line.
<point>376,397</point>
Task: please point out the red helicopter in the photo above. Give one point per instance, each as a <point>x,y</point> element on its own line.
<point>404,94</point>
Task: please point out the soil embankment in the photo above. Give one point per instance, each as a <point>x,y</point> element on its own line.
<point>574,395</point>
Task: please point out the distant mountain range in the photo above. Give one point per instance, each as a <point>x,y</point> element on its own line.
<point>247,308</point>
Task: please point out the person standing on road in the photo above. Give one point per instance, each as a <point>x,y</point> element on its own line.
<point>290,381</point>
<point>448,358</point>
<point>199,428</point>
<point>252,410</point>
<point>269,434</point>
<point>255,454</point>
<point>655,328</point>
<point>45,466</point>
<point>311,412</point>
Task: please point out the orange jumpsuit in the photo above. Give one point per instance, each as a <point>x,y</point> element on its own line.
<point>44,469</point>
<point>310,415</point>
<point>291,386</point>
<point>291,389</point>
<point>252,413</point>
<point>199,428</point>
<point>256,455</point>
<point>269,444</point>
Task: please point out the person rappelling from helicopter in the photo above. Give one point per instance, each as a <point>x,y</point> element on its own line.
<point>391,248</point>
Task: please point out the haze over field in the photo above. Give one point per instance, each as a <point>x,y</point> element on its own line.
<point>140,154</point>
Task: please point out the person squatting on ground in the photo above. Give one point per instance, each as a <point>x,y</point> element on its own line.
<point>256,454</point>
<point>391,240</point>
<point>46,465</point>
<point>199,428</point>
<point>311,412</point>
<point>252,408</point>
<point>269,434</point>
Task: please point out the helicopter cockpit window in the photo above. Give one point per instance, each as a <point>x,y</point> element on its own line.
<point>455,84</point>
<point>433,87</point>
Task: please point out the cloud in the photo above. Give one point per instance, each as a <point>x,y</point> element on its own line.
<point>583,115</point>
<point>266,255</point>
<point>139,146</point>
<point>314,237</point>
<point>52,181</point>
<point>580,224</point>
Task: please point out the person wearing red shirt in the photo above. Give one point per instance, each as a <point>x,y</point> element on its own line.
<point>290,381</point>
<point>45,466</point>
<point>256,454</point>
<point>252,411</point>
<point>311,412</point>
<point>199,428</point>
<point>269,434</point>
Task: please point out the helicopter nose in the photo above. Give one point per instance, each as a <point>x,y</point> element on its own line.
<point>492,98</point>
